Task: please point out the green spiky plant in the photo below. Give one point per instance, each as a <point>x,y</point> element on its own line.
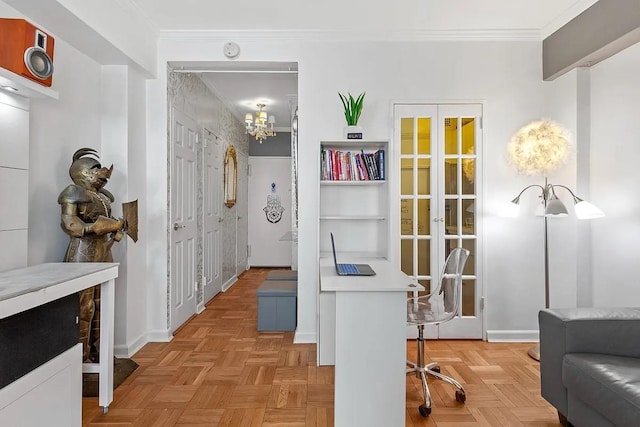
<point>352,107</point>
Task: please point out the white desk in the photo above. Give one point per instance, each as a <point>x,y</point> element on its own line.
<point>26,288</point>
<point>370,342</point>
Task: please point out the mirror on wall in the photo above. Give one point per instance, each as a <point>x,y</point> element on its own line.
<point>230,177</point>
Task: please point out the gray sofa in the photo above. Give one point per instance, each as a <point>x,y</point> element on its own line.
<point>590,365</point>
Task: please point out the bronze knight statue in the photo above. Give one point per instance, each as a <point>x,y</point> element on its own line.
<point>86,218</point>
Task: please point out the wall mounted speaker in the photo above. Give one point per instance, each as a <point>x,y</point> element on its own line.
<point>26,50</point>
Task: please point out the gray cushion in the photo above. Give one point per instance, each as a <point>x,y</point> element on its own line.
<point>282,275</point>
<point>278,288</point>
<point>609,384</point>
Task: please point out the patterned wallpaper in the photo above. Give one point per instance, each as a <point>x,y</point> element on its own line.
<point>188,94</point>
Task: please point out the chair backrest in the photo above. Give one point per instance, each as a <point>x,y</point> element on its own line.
<point>443,303</point>
<point>450,285</point>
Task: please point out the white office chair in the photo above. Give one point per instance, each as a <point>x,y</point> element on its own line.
<point>441,305</point>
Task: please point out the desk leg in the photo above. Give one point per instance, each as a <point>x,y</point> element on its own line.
<point>370,346</point>
<point>107,303</point>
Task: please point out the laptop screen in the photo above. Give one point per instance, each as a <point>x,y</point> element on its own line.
<point>333,248</point>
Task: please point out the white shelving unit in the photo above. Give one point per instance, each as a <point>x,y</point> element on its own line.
<point>357,212</point>
<point>25,87</point>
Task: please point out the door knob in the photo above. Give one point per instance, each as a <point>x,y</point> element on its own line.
<point>220,219</point>
<point>177,226</point>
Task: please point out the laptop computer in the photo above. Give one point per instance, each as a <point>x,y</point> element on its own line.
<point>350,269</point>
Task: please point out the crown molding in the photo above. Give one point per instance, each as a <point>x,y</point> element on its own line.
<point>136,10</point>
<point>567,15</point>
<point>353,35</point>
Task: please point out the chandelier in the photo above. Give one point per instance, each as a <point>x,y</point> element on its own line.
<point>262,126</point>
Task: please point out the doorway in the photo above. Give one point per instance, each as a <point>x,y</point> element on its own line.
<point>212,215</point>
<point>184,144</point>
<point>217,96</point>
<point>439,162</point>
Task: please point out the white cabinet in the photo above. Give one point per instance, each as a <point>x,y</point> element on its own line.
<point>14,180</point>
<point>355,210</point>
<point>50,395</point>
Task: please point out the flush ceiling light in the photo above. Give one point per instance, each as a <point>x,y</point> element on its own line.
<point>260,127</point>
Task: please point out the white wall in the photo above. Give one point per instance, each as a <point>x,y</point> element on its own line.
<point>506,76</point>
<point>136,252</point>
<point>122,119</point>
<point>58,128</point>
<point>615,178</point>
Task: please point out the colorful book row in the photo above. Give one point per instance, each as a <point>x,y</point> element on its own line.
<point>352,166</point>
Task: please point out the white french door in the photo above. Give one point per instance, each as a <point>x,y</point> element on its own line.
<point>438,149</point>
<point>184,142</point>
<point>212,205</point>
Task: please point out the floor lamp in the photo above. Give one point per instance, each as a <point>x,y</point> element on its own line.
<point>536,149</point>
<point>553,207</point>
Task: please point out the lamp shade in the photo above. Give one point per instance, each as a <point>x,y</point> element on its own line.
<point>510,210</point>
<point>586,210</point>
<point>555,208</point>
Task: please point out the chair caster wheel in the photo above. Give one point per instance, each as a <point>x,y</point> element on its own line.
<point>460,396</point>
<point>436,369</point>
<point>424,411</point>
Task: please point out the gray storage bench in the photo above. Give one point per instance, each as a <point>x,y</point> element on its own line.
<point>282,275</point>
<point>277,305</point>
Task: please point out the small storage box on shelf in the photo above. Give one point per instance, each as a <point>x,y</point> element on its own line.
<point>277,305</point>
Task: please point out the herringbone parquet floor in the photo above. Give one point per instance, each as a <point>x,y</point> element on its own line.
<point>220,372</point>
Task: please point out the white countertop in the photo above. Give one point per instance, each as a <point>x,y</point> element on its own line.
<point>388,278</point>
<point>28,287</point>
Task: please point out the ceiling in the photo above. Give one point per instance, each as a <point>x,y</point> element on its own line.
<point>241,85</point>
<point>449,15</point>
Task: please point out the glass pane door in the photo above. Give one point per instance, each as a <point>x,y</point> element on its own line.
<point>438,197</point>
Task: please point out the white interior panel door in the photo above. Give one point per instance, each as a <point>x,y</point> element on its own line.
<point>242,230</point>
<point>184,138</point>
<point>270,211</point>
<point>213,183</point>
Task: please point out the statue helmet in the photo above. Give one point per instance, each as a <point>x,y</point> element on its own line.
<point>84,161</point>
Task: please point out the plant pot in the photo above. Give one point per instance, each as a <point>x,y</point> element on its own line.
<point>353,132</point>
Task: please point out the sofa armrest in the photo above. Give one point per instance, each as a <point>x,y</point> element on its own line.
<point>582,330</point>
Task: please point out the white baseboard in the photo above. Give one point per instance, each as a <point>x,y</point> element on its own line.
<point>226,285</point>
<point>200,308</point>
<point>301,337</point>
<point>160,335</point>
<point>128,350</point>
<point>513,336</point>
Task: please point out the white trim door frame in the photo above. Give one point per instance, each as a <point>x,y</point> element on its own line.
<point>437,205</point>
